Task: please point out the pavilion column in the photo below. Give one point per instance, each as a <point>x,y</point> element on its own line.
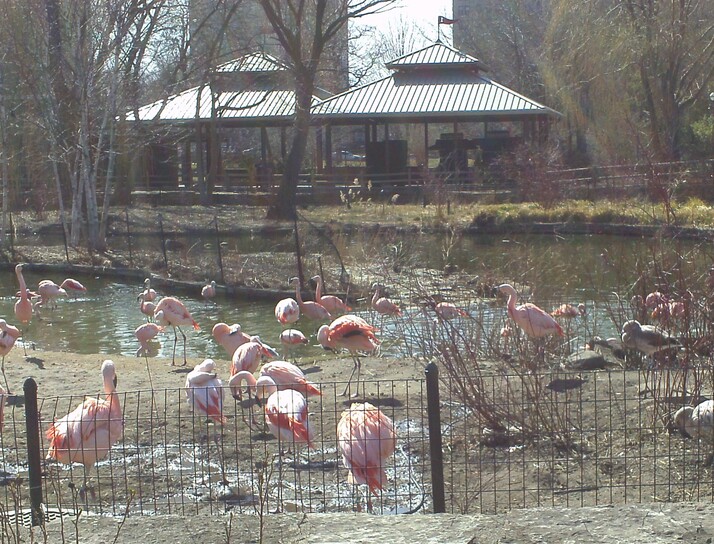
<point>186,167</point>
<point>426,147</point>
<point>319,150</point>
<point>328,148</point>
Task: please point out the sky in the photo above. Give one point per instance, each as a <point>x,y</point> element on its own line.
<point>423,12</point>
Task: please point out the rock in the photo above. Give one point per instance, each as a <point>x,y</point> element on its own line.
<point>586,360</point>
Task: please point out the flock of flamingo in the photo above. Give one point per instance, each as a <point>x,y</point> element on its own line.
<point>366,436</point>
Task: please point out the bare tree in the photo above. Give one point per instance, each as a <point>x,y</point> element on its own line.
<point>304,28</point>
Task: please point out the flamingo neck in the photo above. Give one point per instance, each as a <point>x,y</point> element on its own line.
<point>21,281</point>
<point>318,289</point>
<point>298,296</point>
<point>375,297</point>
<point>265,386</point>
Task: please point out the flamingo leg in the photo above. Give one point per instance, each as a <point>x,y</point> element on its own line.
<point>148,370</point>
<point>184,345</point>
<point>356,368</point>
<point>173,357</point>
<point>7,387</point>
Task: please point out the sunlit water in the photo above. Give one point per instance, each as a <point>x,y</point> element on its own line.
<point>560,269</point>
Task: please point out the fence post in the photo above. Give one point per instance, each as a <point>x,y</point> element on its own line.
<point>437,457</point>
<point>34,466</point>
<point>163,242</point>
<point>128,236</point>
<point>64,237</point>
<point>220,255</point>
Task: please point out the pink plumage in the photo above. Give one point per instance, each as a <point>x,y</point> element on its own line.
<point>23,307</point>
<point>204,391</point>
<point>287,311</point>
<point>71,284</point>
<point>332,304</point>
<point>288,376</point>
<point>529,317</point>
<point>248,356</point>
<point>287,417</point>
<point>144,334</point>
<point>366,439</point>
<point>229,337</point>
<point>449,311</point>
<point>310,309</point>
<point>348,332</point>
<point>383,305</point>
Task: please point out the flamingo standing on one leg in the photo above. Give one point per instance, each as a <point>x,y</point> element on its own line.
<point>383,305</point>
<point>208,291</point>
<point>73,286</point>
<point>8,336</point>
<point>171,311</point>
<point>87,434</point>
<point>248,356</point>
<point>291,338</point>
<point>352,333</point>
<point>366,438</point>
<point>144,334</point>
<point>204,391</point>
<point>229,337</point>
<point>529,317</point>
<point>308,308</point>
<point>332,304</point>
<point>23,307</point>
<point>147,308</point>
<point>287,311</point>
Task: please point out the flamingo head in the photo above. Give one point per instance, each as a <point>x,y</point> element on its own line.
<point>109,375</point>
<point>323,337</point>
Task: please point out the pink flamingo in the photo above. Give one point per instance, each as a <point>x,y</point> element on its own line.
<point>72,285</point>
<point>448,311</point>
<point>144,334</point>
<point>147,308</point>
<point>383,305</point>
<point>87,434</point>
<point>248,356</point>
<point>8,336</point>
<point>287,311</point>
<point>311,310</point>
<point>352,333</point>
<point>366,438</point>
<point>171,311</point>
<point>569,311</point>
<point>49,292</point>
<point>204,391</point>
<point>331,303</point>
<point>229,337</point>
<point>23,307</point>
<point>288,376</point>
<point>148,294</point>
<point>291,338</point>
<point>209,291</point>
<point>529,317</point>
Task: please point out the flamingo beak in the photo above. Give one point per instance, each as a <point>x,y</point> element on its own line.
<point>116,381</point>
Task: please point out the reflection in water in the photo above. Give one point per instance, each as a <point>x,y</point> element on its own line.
<point>600,271</point>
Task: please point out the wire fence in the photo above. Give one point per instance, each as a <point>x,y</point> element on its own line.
<point>609,441</point>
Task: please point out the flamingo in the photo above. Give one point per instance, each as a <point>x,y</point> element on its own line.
<point>383,305</point>
<point>288,376</point>
<point>171,311</point>
<point>23,307</point>
<point>72,285</point>
<point>568,311</point>
<point>209,291</point>
<point>366,438</point>
<point>144,334</point>
<point>529,317</point>
<point>352,333</point>
<point>331,303</point>
<point>448,311</point>
<point>248,356</point>
<point>648,339</point>
<point>287,311</point>
<point>204,391</point>
<point>49,292</point>
<point>8,336</point>
<point>308,308</point>
<point>697,422</point>
<point>148,293</point>
<point>292,337</point>
<point>87,434</point>
<point>229,337</point>
<point>147,308</point>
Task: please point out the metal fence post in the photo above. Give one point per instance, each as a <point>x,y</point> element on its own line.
<point>220,255</point>
<point>437,457</point>
<point>34,466</point>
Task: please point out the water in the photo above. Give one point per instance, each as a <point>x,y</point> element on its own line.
<point>595,270</point>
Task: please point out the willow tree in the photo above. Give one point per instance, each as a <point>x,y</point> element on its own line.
<point>305,29</point>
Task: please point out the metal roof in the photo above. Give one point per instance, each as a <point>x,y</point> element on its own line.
<point>418,95</point>
<point>436,55</point>
<point>256,62</point>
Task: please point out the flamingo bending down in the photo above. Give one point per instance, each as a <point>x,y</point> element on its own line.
<point>148,294</point>
<point>8,336</point>
<point>366,438</point>
<point>49,292</point>
<point>171,311</point>
<point>331,303</point>
<point>144,334</point>
<point>529,317</point>
<point>209,291</point>
<point>381,304</point>
<point>70,284</point>
<point>204,391</point>
<point>248,356</point>
<point>282,374</point>
<point>448,311</point>
<point>229,337</point>
<point>291,338</point>
<point>147,308</point>
<point>86,434</point>
<point>287,311</point>
<point>352,333</point>
<point>308,308</point>
<point>23,307</point>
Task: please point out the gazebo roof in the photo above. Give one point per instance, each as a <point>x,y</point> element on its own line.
<point>436,55</point>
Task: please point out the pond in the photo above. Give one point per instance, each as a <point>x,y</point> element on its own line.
<point>596,270</point>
